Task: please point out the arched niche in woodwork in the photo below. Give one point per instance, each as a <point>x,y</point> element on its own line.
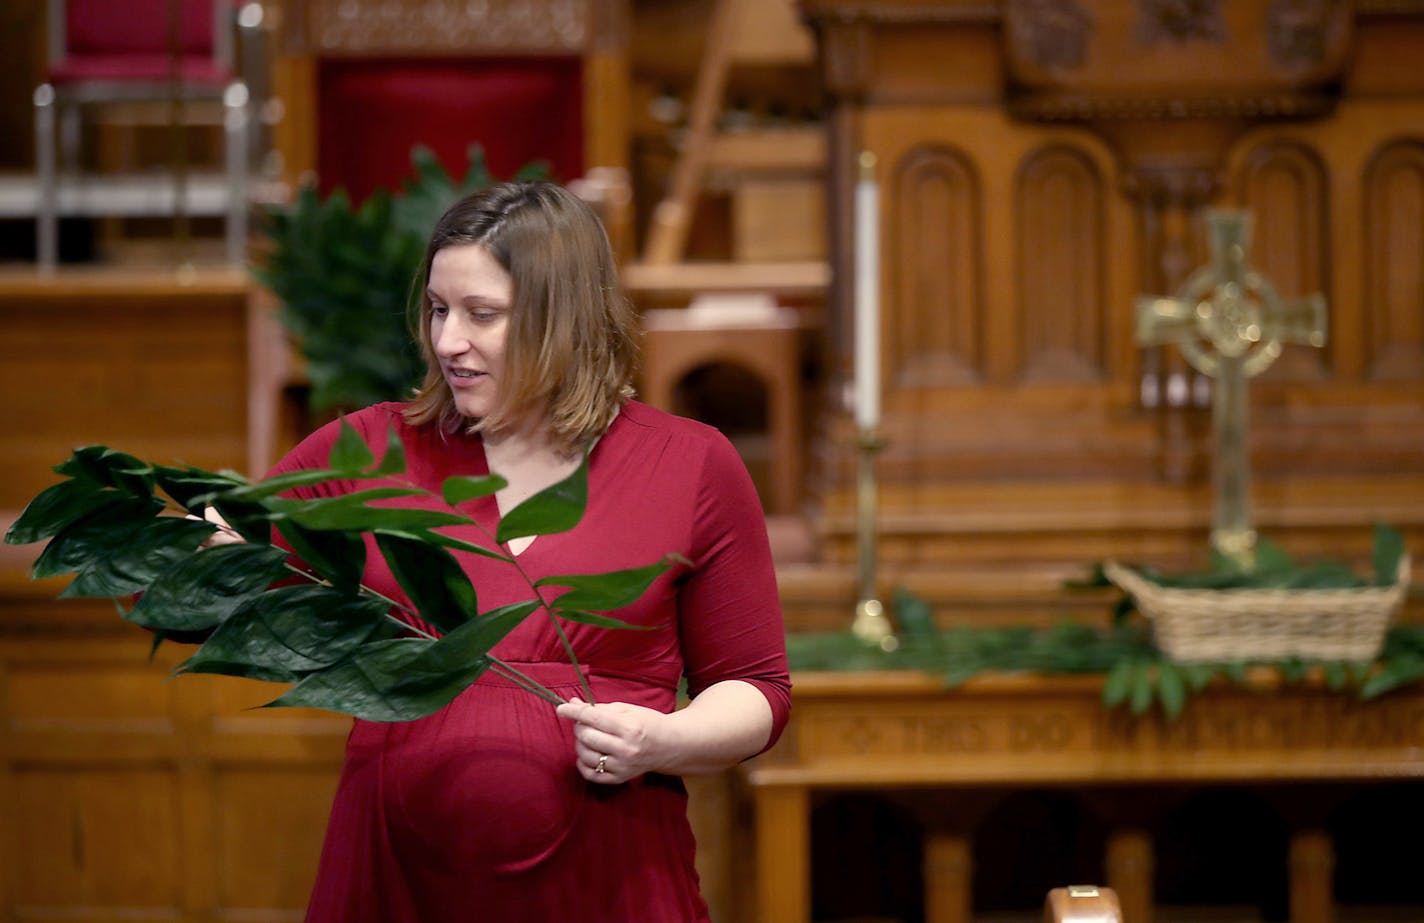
<point>1394,262</point>
<point>934,248</point>
<point>1286,187</point>
<point>1060,246</point>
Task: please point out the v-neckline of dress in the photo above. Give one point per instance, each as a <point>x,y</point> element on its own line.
<point>493,515</point>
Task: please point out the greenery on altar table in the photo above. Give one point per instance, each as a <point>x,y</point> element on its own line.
<point>1138,672</point>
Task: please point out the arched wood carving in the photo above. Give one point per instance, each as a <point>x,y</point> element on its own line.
<point>1286,187</point>
<point>935,335</point>
<point>1394,263</point>
<point>1060,244</point>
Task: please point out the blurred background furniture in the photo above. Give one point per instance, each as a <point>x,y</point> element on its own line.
<point>364,81</point>
<point>180,55</point>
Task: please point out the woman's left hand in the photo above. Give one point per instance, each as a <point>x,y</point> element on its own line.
<point>616,742</point>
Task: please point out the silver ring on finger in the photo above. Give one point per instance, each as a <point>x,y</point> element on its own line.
<point>602,764</point>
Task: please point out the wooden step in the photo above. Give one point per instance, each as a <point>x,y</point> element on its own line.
<point>800,279</point>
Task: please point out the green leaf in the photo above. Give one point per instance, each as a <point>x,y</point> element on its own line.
<point>1118,683</point>
<point>203,589</point>
<point>111,468</point>
<point>1271,557</point>
<point>446,541</point>
<point>458,489</point>
<point>1335,675</point>
<point>338,557</point>
<point>604,592</point>
<point>192,487</point>
<point>431,577</point>
<point>914,617</point>
<point>1394,673</point>
<point>281,482</point>
<point>1198,675</point>
<point>1140,695</point>
<point>557,508</point>
<point>350,512</point>
<point>361,685</point>
<point>263,672</point>
<point>350,454</point>
<point>393,459</point>
<point>1388,550</point>
<point>295,628</point>
<point>453,655</point>
<point>600,621</point>
<point>1171,688</point>
<point>96,535</point>
<point>58,506</point>
<point>127,566</point>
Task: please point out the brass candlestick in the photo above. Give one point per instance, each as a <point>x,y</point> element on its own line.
<point>871,624</point>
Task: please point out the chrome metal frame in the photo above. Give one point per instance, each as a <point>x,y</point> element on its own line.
<point>61,107</point>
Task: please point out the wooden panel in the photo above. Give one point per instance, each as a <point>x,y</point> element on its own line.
<point>152,364</point>
<point>1394,267</point>
<point>935,308</point>
<point>49,697</point>
<point>779,219</point>
<point>124,795</point>
<point>1286,188</point>
<point>257,870</point>
<point>1060,242</point>
<point>96,843</point>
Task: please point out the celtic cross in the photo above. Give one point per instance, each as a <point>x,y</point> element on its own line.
<point>1230,323</point>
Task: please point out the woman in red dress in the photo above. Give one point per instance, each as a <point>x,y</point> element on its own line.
<point>500,807</point>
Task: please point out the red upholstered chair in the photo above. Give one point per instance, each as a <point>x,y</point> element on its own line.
<point>361,82</point>
<point>370,113</point>
<point>111,51</point>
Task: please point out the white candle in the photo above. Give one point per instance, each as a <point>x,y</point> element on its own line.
<point>867,296</point>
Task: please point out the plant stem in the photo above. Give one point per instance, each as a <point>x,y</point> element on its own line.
<point>558,629</point>
<point>526,682</point>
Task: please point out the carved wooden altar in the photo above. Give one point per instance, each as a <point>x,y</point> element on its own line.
<point>1043,163</point>
<point>906,732</point>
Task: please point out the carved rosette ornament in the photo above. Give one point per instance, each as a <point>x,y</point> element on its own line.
<point>1053,34</point>
<point>1160,21</point>
<point>1300,32</point>
<point>445,27</point>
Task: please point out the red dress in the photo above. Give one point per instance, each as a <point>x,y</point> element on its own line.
<point>477,812</point>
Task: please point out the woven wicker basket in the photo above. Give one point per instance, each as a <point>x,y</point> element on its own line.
<point>1193,625</point>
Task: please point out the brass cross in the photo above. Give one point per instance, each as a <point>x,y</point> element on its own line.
<point>1230,323</point>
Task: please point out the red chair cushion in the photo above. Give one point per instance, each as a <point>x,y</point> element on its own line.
<point>105,27</point>
<point>372,112</point>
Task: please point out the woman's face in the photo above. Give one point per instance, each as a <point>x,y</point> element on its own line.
<point>470,298</point>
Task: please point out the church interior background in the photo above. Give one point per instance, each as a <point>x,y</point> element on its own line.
<point>1040,167</point>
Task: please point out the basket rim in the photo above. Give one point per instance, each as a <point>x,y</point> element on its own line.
<point>1129,580</point>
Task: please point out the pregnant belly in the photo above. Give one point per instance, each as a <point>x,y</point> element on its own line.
<point>487,784</point>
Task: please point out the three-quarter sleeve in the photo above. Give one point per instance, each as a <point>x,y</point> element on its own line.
<point>729,610</point>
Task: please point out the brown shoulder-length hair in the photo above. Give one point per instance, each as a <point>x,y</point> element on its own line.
<point>572,346</point>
